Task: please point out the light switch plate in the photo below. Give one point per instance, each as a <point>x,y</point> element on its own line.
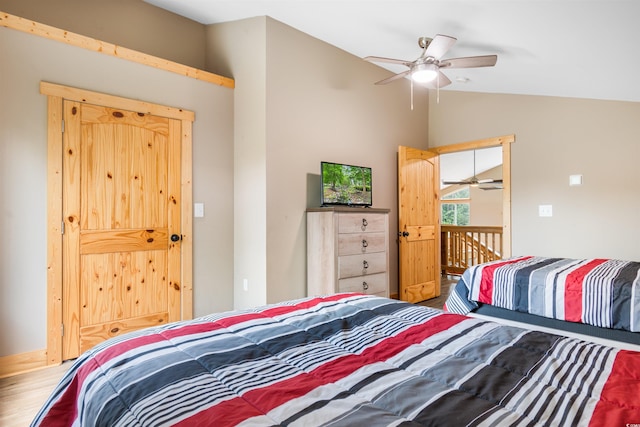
<point>575,180</point>
<point>198,210</point>
<point>545,210</point>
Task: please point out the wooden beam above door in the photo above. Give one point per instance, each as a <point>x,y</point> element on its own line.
<point>474,145</point>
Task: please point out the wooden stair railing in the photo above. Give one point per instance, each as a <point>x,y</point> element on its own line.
<point>464,246</point>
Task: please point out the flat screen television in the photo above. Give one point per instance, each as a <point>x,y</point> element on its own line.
<point>347,185</point>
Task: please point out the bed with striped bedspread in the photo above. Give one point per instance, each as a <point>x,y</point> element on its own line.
<point>598,292</point>
<point>346,360</point>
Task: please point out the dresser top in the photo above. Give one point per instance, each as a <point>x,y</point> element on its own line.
<point>348,209</point>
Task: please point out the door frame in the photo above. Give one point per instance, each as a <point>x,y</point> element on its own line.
<point>55,95</point>
<point>505,141</point>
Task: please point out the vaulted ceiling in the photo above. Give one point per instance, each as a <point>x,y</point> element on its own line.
<point>567,48</point>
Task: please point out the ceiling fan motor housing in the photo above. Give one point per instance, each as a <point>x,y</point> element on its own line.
<point>424,42</point>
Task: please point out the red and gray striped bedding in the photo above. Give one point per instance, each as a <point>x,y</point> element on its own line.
<point>346,360</point>
<point>598,292</point>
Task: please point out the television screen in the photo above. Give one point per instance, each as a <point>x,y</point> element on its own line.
<point>345,184</point>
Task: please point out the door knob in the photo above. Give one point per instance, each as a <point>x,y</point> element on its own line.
<point>403,233</point>
<point>176,237</point>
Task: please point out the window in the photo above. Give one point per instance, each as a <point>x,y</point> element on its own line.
<point>454,210</point>
<point>461,194</point>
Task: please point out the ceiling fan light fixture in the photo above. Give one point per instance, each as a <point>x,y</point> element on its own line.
<point>424,73</point>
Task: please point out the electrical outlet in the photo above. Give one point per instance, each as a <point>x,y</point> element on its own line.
<point>545,210</point>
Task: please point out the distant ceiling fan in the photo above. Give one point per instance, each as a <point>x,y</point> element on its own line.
<point>483,184</point>
<point>426,68</point>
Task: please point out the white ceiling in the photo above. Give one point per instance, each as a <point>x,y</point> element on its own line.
<point>462,165</point>
<point>567,48</point>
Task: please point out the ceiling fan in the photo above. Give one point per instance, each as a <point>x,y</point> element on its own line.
<point>426,68</point>
<point>483,184</point>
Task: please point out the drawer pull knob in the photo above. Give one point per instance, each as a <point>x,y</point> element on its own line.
<point>364,223</point>
<point>364,243</point>
<point>365,285</point>
<point>365,264</point>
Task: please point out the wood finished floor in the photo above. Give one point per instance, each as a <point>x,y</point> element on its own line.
<point>21,396</point>
<point>446,284</point>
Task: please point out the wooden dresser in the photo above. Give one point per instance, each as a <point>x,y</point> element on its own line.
<point>347,250</point>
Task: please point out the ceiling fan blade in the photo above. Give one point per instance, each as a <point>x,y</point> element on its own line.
<point>439,46</point>
<point>490,181</point>
<point>441,81</point>
<point>470,62</point>
<point>456,182</point>
<point>387,60</point>
<point>392,78</point>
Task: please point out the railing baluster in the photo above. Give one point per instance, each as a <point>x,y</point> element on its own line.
<point>468,245</point>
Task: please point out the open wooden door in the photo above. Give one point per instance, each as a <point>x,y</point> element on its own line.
<point>419,224</point>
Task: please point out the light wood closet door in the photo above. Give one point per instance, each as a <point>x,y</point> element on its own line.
<point>121,205</point>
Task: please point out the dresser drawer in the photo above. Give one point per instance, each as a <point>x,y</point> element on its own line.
<point>360,265</point>
<point>361,243</point>
<point>361,222</point>
<point>371,284</point>
<point>347,250</point>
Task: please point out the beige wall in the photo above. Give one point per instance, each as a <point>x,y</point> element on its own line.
<point>297,101</point>
<point>555,138</point>
<point>320,103</point>
<point>130,23</point>
<point>239,50</point>
<point>27,60</point>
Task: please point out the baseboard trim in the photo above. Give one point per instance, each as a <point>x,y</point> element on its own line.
<point>23,362</point>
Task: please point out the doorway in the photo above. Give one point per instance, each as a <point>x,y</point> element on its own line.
<point>119,217</point>
<point>503,144</point>
<point>470,208</point>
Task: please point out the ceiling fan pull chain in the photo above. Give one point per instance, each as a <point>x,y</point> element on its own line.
<point>411,94</point>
